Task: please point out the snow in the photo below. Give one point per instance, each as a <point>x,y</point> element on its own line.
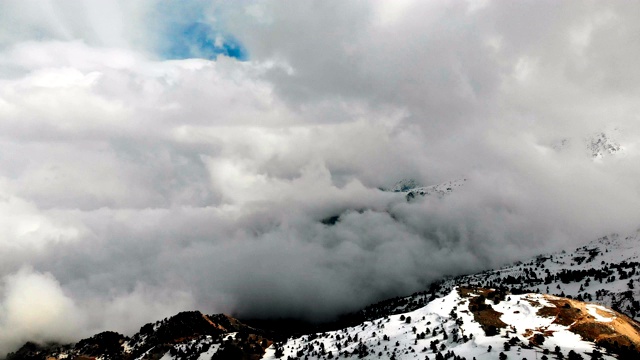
<point>144,355</point>
<point>609,253</point>
<point>567,340</point>
<point>522,314</point>
<point>593,311</point>
<point>519,312</point>
<point>198,344</point>
<point>438,189</point>
<point>209,353</point>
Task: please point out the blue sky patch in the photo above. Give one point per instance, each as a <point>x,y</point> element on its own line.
<point>193,29</point>
<point>200,40</point>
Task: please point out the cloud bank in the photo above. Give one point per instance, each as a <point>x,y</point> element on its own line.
<point>134,185</point>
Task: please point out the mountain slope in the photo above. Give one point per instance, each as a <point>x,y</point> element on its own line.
<point>466,323</point>
<point>605,271</point>
<point>481,324</point>
<point>187,335</point>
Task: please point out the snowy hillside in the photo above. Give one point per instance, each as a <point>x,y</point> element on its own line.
<point>606,271</point>
<point>467,323</point>
<point>478,324</point>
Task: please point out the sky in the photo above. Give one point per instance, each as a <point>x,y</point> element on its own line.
<point>161,156</point>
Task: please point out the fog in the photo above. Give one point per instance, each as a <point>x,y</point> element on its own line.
<point>136,183</point>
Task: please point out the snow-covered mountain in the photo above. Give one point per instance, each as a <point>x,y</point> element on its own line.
<point>577,304</point>
<point>600,145</point>
<point>474,323</point>
<point>597,145</point>
<point>441,189</point>
<point>405,185</point>
<point>605,271</point>
<point>467,323</point>
<point>412,188</point>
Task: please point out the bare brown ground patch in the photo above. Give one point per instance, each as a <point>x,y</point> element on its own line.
<point>483,314</point>
<point>564,312</point>
<point>602,313</point>
<point>533,302</point>
<point>620,332</point>
<point>529,333</point>
<point>217,326</point>
<point>621,335</point>
<point>537,337</point>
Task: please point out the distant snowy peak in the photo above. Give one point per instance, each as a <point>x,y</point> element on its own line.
<point>600,145</point>
<point>405,185</point>
<point>413,189</point>
<point>438,190</point>
<point>410,188</point>
<point>597,146</point>
<point>475,323</point>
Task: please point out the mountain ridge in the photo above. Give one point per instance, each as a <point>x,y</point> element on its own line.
<point>467,322</point>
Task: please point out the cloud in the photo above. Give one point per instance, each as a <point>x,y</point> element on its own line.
<point>34,307</point>
<point>133,187</point>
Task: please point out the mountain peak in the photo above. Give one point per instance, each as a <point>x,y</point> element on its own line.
<point>601,144</point>
<point>405,185</point>
<point>597,145</point>
<point>479,323</point>
<point>186,335</point>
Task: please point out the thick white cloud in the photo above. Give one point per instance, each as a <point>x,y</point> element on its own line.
<point>35,307</point>
<point>133,187</point>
